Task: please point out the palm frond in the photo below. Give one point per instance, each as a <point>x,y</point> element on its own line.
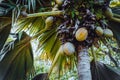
<point>32,5</point>
<point>115,28</point>
<point>14,8</point>
<point>31,25</point>
<point>4,21</point>
<point>101,71</point>
<point>62,63</point>
<point>49,47</point>
<point>49,42</point>
<point>5,28</point>
<point>109,52</point>
<point>18,61</point>
<point>115,25</point>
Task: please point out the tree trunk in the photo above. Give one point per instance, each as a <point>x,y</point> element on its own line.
<point>84,72</point>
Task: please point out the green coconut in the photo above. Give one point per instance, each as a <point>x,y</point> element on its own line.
<point>99,31</point>
<point>108,33</point>
<point>69,48</point>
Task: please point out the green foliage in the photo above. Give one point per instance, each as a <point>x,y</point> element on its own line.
<point>115,3</point>
<point>31,25</point>
<point>19,59</point>
<point>4,33</point>
<point>115,25</point>
<point>101,71</point>
<point>49,37</point>
<point>42,66</point>
<point>17,62</point>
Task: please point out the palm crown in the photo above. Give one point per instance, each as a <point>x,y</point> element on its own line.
<point>65,29</point>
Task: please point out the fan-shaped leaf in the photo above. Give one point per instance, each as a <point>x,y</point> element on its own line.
<point>32,25</point>
<point>115,26</point>
<point>101,71</point>
<point>116,10</point>
<point>17,62</point>
<point>4,33</point>
<point>116,30</point>
<point>49,43</point>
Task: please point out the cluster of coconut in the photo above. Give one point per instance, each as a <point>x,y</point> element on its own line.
<point>103,32</point>
<point>82,33</point>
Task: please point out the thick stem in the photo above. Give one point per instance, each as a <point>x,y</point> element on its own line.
<point>52,13</point>
<point>115,19</point>
<point>84,72</point>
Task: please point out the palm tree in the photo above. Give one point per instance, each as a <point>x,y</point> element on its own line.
<point>65,29</point>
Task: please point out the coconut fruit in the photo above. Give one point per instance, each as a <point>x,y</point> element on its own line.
<point>49,21</point>
<point>108,12</point>
<point>69,48</point>
<point>108,33</point>
<point>81,34</point>
<point>99,31</point>
<point>59,2</point>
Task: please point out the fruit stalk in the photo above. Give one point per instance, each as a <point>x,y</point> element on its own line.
<point>111,16</point>
<point>52,13</point>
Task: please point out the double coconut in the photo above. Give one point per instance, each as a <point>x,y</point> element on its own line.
<point>49,21</point>
<point>99,31</point>
<point>106,32</point>
<point>81,34</point>
<point>108,12</point>
<point>68,48</point>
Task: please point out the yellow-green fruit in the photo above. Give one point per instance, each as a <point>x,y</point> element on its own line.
<point>99,31</point>
<point>69,48</point>
<point>81,34</point>
<point>108,12</point>
<point>49,21</point>
<point>108,33</point>
<point>59,2</point>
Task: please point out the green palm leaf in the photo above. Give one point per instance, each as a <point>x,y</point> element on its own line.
<point>18,61</point>
<point>115,25</point>
<point>115,28</point>
<point>5,28</point>
<point>32,25</point>
<point>101,71</point>
<point>49,45</point>
<point>6,8</point>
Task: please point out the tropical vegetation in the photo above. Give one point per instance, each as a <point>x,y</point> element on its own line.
<point>79,36</point>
